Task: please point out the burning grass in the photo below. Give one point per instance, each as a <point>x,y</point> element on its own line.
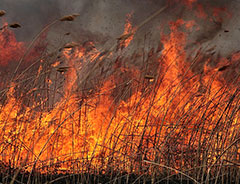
<point>100,117</point>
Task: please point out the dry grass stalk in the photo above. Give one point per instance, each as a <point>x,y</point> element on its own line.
<point>63,69</point>
<point>71,45</point>
<point>166,154</point>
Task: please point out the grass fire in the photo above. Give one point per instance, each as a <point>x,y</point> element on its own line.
<point>80,106</point>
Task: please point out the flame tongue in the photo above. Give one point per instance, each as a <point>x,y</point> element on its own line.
<point>133,115</point>
<point>127,36</point>
<point>10,49</point>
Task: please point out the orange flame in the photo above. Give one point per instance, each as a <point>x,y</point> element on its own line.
<point>128,33</point>
<point>10,49</point>
<point>120,122</point>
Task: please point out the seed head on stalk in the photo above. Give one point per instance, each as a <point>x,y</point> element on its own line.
<point>2,12</point>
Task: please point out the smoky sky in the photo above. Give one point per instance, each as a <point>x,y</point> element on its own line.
<point>107,17</point>
<point>98,16</point>
<point>102,16</point>
<point>30,14</point>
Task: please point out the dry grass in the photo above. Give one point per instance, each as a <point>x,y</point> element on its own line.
<point>152,130</point>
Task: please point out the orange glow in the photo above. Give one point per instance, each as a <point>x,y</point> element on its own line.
<point>128,33</point>
<point>10,49</point>
<point>135,117</point>
<point>200,12</point>
<point>217,12</point>
<point>189,3</point>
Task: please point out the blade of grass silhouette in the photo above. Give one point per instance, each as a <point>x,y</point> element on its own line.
<point>161,165</point>
<point>40,153</point>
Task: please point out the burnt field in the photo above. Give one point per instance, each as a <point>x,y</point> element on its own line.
<point>154,100</point>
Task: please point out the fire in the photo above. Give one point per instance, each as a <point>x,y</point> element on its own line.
<point>200,12</point>
<point>10,49</point>
<point>188,3</point>
<point>123,123</point>
<point>76,57</point>
<point>128,33</point>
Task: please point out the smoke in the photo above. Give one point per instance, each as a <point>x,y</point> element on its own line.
<point>31,14</point>
<point>107,18</point>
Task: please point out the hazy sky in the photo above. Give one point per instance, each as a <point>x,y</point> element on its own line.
<point>96,15</point>
<point>108,16</point>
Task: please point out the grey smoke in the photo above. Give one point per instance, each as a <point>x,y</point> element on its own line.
<point>31,14</point>
<point>97,16</point>
<point>107,18</point>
